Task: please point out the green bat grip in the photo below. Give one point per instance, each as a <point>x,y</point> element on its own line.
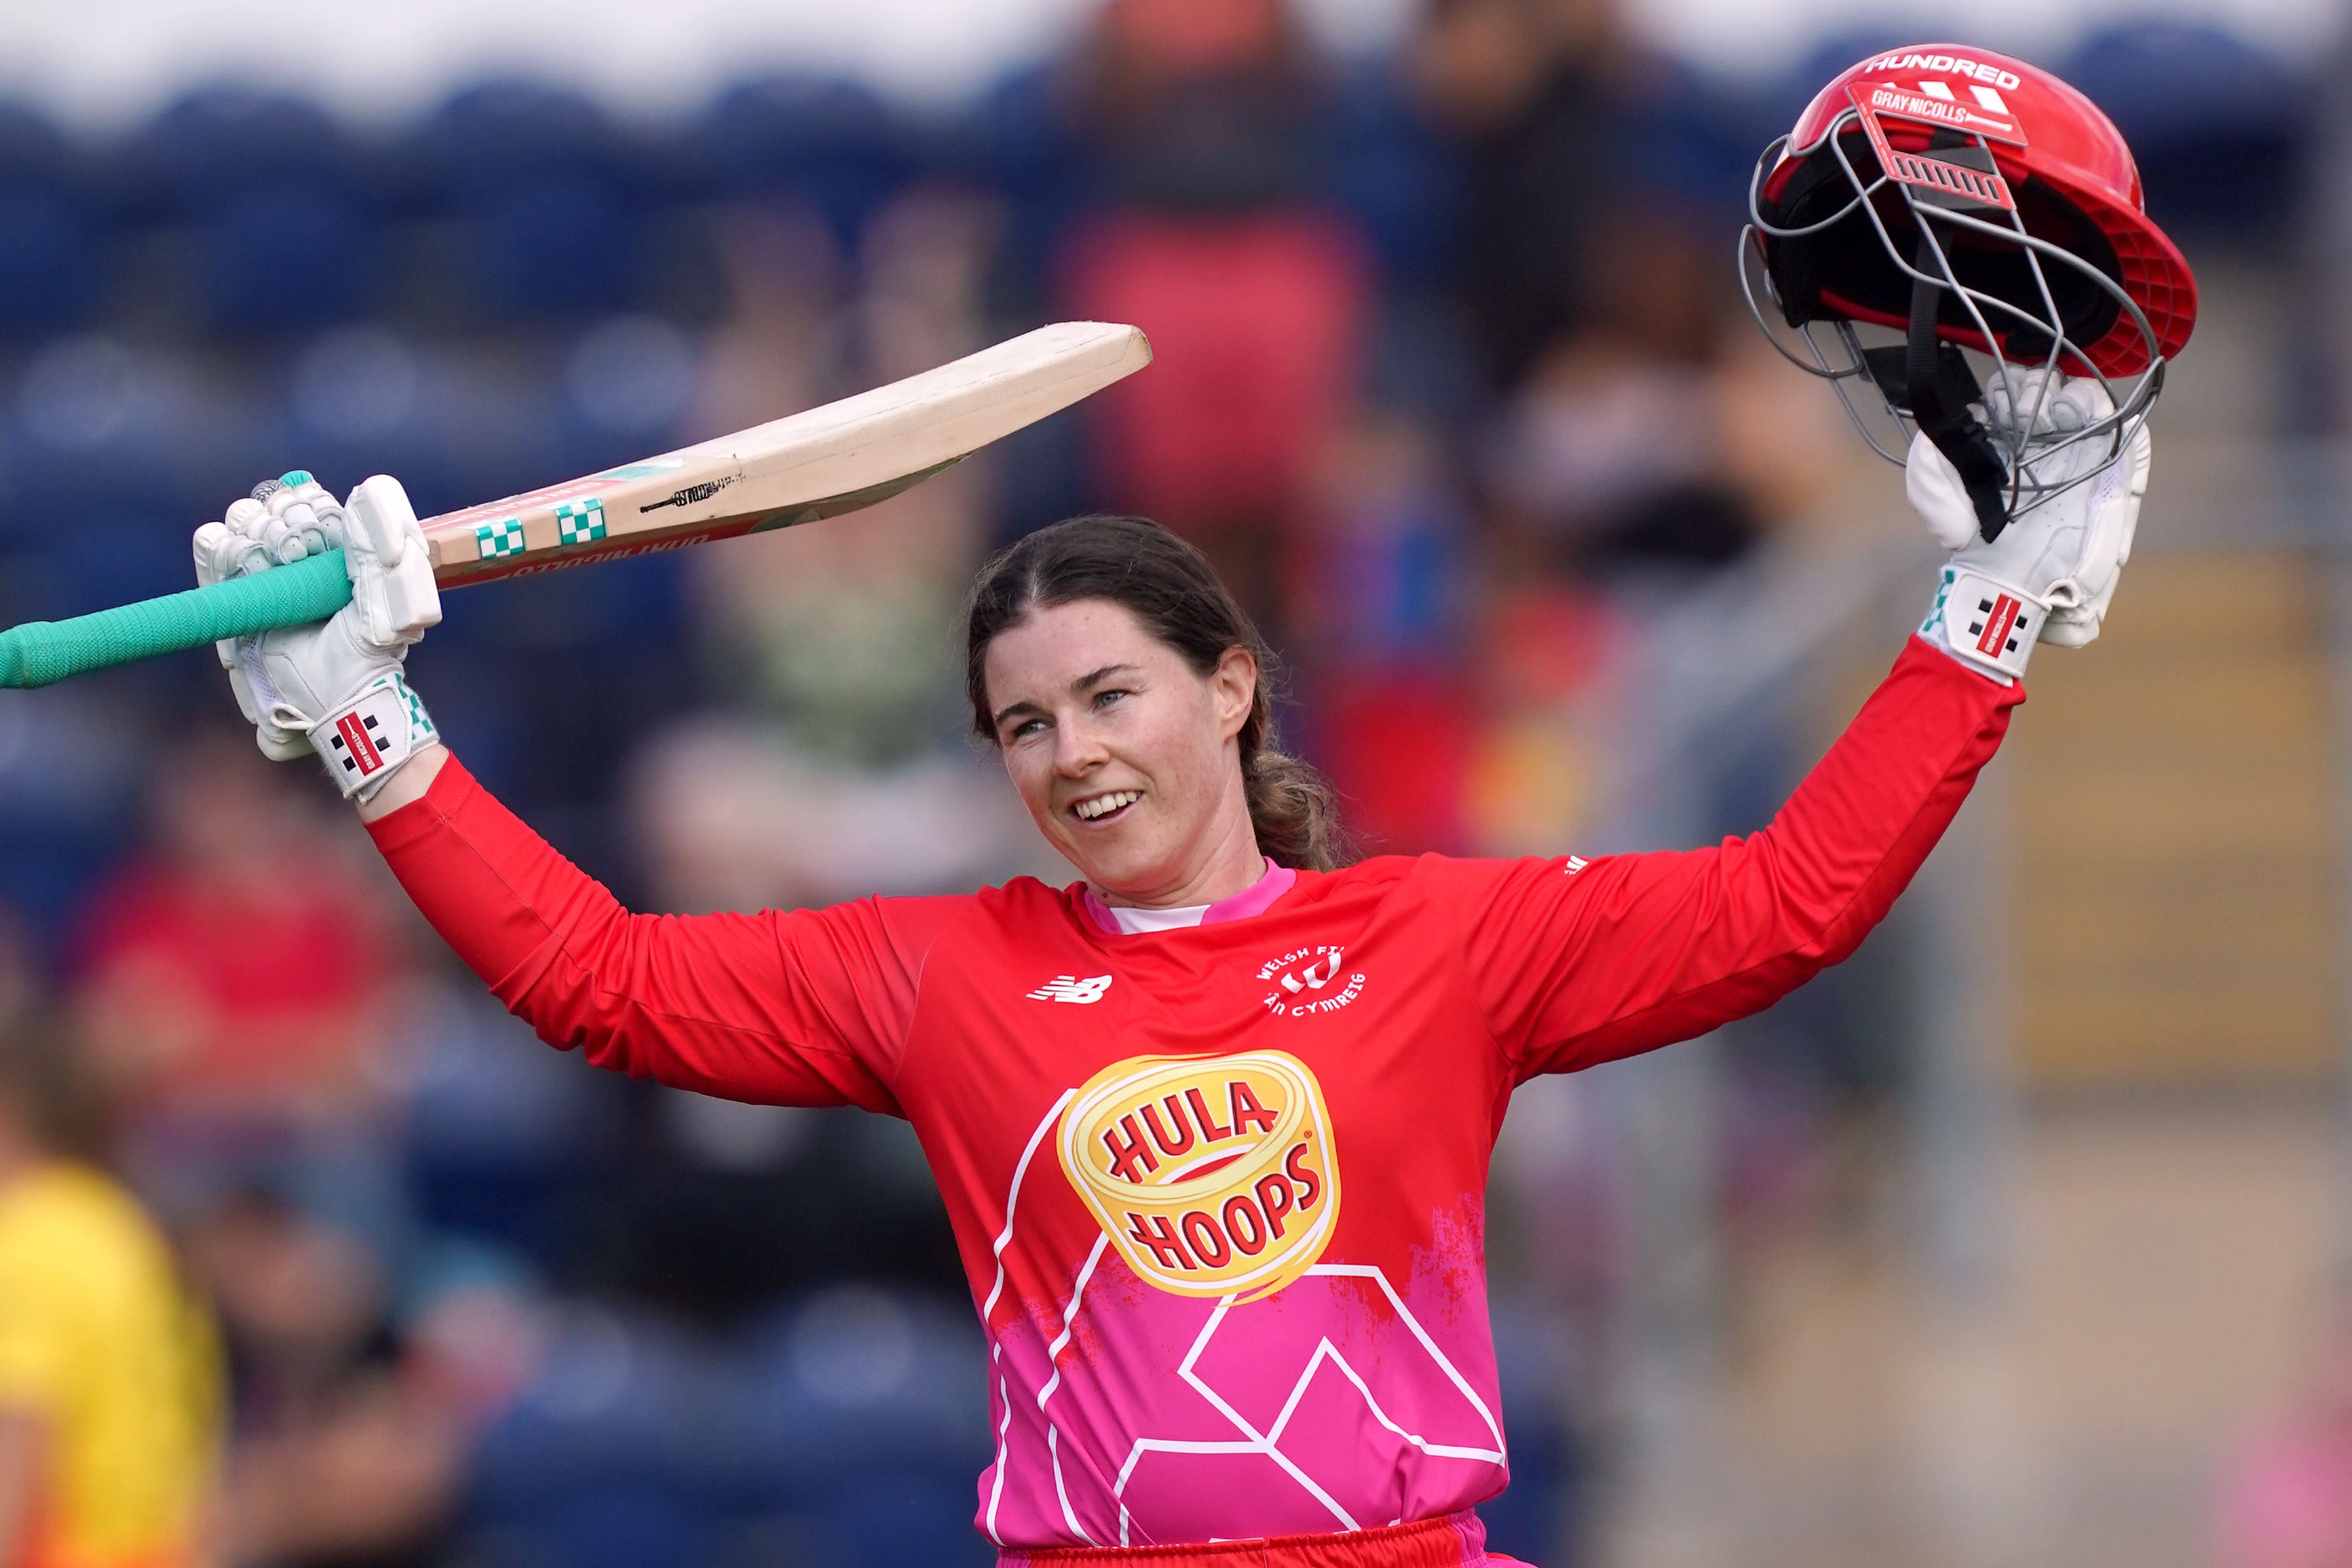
<point>41,652</point>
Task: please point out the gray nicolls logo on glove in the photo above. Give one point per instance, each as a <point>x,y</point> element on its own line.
<point>2051,573</point>
<point>335,688</point>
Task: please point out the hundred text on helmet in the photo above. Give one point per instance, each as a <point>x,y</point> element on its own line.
<point>1944,65</point>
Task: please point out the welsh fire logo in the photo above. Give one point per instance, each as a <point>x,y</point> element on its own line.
<point>1213,1176</point>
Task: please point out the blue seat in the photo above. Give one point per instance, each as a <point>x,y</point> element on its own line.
<point>549,193</point>
<point>629,383</point>
<point>1544,1515</point>
<point>2217,126</point>
<point>624,1526</point>
<point>895,1520</point>
<point>604,1413</point>
<point>856,1385</point>
<point>288,254</point>
<point>111,557</point>
<point>832,144</point>
<point>1020,137</point>
<point>50,263</point>
<point>71,771</point>
<point>121,421</point>
<point>1388,170</point>
<point>365,401</point>
<point>286,212</point>
<point>52,244</point>
<point>498,1132</point>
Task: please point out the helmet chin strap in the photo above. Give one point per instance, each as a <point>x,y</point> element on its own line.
<point>1940,386</point>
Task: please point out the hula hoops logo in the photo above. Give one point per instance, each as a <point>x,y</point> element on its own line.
<point>1213,1176</point>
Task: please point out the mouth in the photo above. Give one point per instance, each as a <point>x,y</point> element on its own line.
<point>1096,811</point>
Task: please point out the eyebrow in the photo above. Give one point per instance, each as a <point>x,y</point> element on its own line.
<point>1077,688</point>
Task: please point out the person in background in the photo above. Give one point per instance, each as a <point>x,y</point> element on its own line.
<point>1539,98</point>
<point>109,1374</point>
<point>338,1456</point>
<point>1197,125</point>
<point>227,1065</point>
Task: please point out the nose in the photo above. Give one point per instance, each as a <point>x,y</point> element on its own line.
<point>1077,748</point>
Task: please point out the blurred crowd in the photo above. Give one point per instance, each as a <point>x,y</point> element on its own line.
<point>1453,384</point>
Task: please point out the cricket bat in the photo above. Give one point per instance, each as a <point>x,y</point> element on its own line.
<point>818,463</point>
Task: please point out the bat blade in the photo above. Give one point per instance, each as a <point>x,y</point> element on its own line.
<point>819,463</point>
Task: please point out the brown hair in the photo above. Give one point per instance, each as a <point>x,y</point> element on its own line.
<point>1170,587</point>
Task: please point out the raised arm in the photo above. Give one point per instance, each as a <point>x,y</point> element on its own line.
<point>1578,962</point>
<point>809,1008</point>
<point>804,1008</point>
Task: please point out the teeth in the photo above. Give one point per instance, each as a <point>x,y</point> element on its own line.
<point>1103,805</point>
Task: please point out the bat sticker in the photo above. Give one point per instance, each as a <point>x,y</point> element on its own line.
<point>689,496</point>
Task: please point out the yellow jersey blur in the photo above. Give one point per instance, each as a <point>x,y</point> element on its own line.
<point>102,1344</point>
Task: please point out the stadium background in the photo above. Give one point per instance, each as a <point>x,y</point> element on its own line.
<point>2017,1241</point>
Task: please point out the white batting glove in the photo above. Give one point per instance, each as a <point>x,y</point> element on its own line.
<point>336,688</point>
<point>2052,572</point>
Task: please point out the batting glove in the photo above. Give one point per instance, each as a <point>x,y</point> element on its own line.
<point>2052,572</point>
<point>337,687</point>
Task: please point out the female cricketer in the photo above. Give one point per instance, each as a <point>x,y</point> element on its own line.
<point>1212,1123</point>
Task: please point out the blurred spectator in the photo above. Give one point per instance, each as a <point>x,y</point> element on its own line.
<point>337,1459</point>
<point>1536,94</point>
<point>1201,126</point>
<point>773,351</point>
<point>1543,652</point>
<point>841,770</point>
<point>1609,452</point>
<point>1384,601</point>
<point>233,969</point>
<point>108,1377</point>
<point>1200,106</point>
<point>232,980</point>
<point>837,637</point>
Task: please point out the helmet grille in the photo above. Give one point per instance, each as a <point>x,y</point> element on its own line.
<point>1844,271</point>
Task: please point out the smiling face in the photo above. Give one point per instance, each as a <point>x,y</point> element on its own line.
<point>1129,761</point>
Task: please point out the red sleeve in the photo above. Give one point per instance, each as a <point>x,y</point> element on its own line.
<point>810,1007</point>
<point>1577,963</point>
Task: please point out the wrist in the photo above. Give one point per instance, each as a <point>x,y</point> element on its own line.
<point>1984,623</point>
<point>407,784</point>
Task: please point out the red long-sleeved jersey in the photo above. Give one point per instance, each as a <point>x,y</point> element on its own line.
<point>1219,1189</point>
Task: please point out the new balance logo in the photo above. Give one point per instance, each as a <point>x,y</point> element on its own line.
<point>1070,989</point>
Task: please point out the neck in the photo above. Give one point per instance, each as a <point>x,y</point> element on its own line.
<point>1229,863</point>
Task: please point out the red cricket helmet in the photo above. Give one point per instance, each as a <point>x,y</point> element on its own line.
<point>1969,201</point>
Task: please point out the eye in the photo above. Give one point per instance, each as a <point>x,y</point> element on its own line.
<point>1024,729</point>
<point>1104,699</point>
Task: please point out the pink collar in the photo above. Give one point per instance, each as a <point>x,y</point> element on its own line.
<point>1255,899</point>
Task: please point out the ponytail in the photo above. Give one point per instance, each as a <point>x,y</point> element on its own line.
<point>1170,587</point>
<point>1294,811</point>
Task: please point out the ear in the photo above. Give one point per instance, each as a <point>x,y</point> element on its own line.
<point>1232,687</point>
